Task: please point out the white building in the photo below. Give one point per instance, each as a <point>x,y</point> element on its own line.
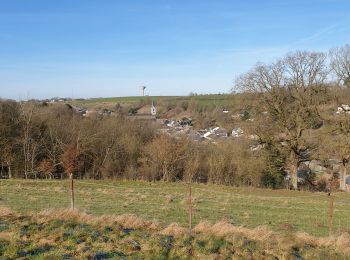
<point>343,109</point>
<point>153,110</point>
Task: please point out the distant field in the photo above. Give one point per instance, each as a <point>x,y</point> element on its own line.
<point>280,210</point>
<point>224,99</point>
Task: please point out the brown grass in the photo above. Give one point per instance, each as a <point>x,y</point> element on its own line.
<point>224,229</point>
<point>341,243</point>
<point>6,235</point>
<point>174,229</point>
<point>126,220</point>
<point>5,211</point>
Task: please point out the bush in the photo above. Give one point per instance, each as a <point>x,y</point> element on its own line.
<point>272,180</point>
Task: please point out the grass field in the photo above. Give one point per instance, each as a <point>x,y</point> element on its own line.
<point>222,99</point>
<point>280,210</point>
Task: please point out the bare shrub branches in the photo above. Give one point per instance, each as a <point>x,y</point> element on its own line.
<point>340,64</point>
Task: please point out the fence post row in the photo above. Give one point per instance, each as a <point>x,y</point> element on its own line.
<point>190,204</point>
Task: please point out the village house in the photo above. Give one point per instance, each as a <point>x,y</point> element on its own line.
<point>216,133</point>
<point>237,132</point>
<point>343,109</point>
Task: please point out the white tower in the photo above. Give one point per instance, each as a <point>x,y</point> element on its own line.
<point>143,90</point>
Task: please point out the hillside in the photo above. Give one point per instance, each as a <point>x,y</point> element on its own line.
<point>74,235</point>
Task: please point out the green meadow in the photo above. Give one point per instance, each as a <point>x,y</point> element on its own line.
<point>280,210</point>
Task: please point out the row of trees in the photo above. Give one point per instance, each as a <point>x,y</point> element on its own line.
<point>38,141</point>
<point>51,141</point>
<point>291,92</point>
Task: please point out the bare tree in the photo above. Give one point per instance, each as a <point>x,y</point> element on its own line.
<point>164,158</point>
<point>341,144</point>
<point>72,164</point>
<point>9,134</point>
<point>340,64</point>
<point>47,168</point>
<point>290,90</point>
<point>192,166</point>
<point>29,146</point>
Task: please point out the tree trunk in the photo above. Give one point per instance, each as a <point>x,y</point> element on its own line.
<point>343,174</point>
<point>293,170</point>
<point>9,171</point>
<point>294,177</point>
<point>26,157</point>
<point>32,162</point>
<point>25,165</point>
<point>165,173</point>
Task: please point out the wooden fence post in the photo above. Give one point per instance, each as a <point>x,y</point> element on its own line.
<point>190,205</point>
<point>71,182</point>
<point>331,204</point>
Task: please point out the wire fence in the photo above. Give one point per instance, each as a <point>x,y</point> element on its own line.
<point>188,205</point>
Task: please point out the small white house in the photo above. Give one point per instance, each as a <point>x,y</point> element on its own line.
<point>215,133</point>
<point>343,109</point>
<point>237,132</point>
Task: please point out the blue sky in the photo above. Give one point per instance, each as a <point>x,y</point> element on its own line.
<point>94,48</point>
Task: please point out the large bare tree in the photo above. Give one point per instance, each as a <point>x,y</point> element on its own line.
<point>340,64</point>
<point>340,146</point>
<point>29,146</point>
<point>290,90</point>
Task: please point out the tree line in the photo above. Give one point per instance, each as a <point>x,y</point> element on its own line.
<point>288,99</point>
<point>52,142</point>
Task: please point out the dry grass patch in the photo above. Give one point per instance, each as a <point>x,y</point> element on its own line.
<point>6,235</point>
<point>340,243</point>
<point>126,220</point>
<point>226,229</point>
<point>5,211</point>
<point>174,229</point>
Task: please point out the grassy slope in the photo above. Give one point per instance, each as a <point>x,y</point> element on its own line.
<point>280,210</point>
<point>70,234</point>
